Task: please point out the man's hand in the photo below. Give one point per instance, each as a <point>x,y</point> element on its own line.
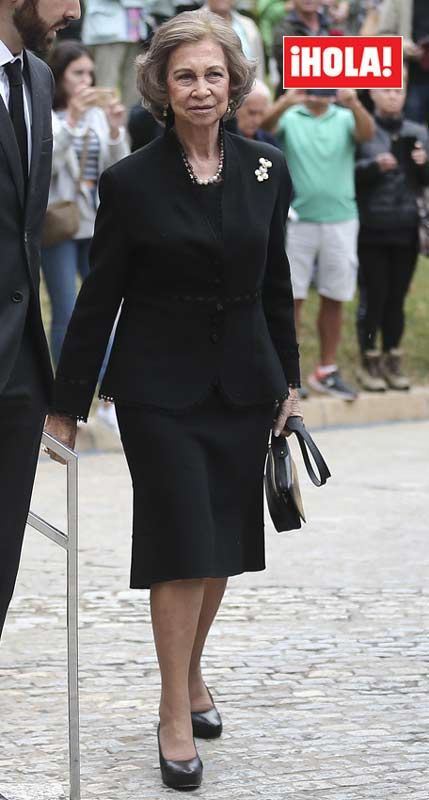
<point>386,162</point>
<point>289,408</point>
<point>364,123</point>
<point>62,428</point>
<point>339,13</point>
<point>295,96</point>
<point>347,97</point>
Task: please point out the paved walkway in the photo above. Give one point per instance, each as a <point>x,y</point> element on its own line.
<point>318,664</point>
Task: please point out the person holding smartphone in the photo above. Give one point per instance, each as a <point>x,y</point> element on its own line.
<point>391,171</point>
<point>318,131</point>
<point>88,132</point>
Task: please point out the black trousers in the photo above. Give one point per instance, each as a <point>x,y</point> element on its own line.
<point>22,414</point>
<point>385,273</point>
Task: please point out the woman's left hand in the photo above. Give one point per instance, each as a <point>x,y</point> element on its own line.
<point>115,113</point>
<point>289,408</point>
<point>419,155</point>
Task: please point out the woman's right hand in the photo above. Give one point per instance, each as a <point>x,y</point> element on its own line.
<point>82,99</point>
<point>62,428</point>
<point>291,407</point>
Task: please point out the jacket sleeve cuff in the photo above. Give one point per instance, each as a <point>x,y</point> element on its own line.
<point>292,374</point>
<point>73,397</point>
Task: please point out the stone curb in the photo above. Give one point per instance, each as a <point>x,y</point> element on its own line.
<point>368,408</point>
<point>319,412</point>
<point>31,791</point>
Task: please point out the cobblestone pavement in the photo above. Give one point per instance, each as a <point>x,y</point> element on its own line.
<point>319,665</point>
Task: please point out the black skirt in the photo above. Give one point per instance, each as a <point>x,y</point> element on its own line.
<point>198,489</point>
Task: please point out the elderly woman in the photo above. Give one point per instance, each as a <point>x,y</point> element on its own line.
<point>190,239</point>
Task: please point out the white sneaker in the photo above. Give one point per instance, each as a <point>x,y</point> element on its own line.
<point>106,413</point>
<point>333,384</point>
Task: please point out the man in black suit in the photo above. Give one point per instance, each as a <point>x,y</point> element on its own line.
<point>26,88</point>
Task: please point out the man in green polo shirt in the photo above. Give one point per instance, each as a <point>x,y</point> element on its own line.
<point>318,138</point>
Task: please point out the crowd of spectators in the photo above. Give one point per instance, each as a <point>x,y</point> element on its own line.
<point>359,162</point>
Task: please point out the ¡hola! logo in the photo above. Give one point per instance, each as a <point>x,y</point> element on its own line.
<point>346,62</point>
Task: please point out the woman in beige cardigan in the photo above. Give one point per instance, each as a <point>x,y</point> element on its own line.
<point>410,19</point>
<point>396,17</point>
<point>370,21</point>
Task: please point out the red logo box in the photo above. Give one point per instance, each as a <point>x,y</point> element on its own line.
<point>342,62</point>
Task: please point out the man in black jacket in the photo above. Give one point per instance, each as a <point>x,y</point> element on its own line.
<point>391,172</point>
<point>26,88</point>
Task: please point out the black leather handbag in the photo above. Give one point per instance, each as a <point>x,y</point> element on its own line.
<point>281,476</point>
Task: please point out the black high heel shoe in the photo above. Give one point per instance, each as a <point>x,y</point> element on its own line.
<point>207,724</point>
<point>184,775</point>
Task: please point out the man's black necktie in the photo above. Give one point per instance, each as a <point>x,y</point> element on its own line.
<point>16,109</point>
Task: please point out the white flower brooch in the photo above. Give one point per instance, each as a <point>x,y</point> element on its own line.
<point>262,172</point>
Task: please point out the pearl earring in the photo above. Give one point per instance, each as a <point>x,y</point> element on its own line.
<point>229,108</point>
<point>165,111</point>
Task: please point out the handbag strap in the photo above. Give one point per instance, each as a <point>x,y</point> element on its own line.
<point>83,158</point>
<point>296,426</point>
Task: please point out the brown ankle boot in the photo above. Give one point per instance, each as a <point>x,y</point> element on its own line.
<point>369,373</point>
<point>391,370</point>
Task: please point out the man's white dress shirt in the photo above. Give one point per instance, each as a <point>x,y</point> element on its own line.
<point>5,57</point>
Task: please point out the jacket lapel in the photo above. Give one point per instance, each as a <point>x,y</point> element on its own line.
<point>37,91</point>
<point>233,197</point>
<point>10,147</point>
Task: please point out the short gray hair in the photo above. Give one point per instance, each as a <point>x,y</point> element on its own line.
<point>187,28</point>
<point>261,88</point>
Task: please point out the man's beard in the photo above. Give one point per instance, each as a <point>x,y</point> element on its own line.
<point>36,35</point>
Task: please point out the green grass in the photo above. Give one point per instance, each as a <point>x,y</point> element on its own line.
<point>415,343</point>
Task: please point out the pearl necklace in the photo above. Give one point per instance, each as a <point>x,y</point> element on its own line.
<point>216,178</point>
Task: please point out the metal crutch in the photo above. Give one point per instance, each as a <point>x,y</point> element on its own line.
<point>69,542</point>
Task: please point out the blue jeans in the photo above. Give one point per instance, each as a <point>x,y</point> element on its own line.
<point>417,105</point>
<point>62,264</point>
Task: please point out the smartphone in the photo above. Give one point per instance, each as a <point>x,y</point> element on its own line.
<point>103,96</point>
<point>321,92</point>
<point>402,147</point>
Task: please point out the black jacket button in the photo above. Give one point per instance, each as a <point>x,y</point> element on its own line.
<point>17,297</point>
<point>219,307</point>
<point>214,337</point>
<point>217,281</point>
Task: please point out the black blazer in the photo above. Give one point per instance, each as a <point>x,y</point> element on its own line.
<point>21,220</point>
<point>197,309</point>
